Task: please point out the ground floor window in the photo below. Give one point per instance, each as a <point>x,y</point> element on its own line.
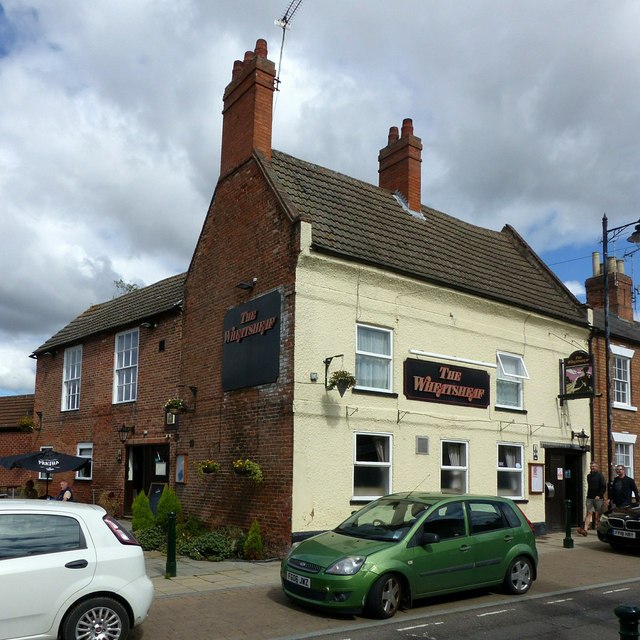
<point>453,470</point>
<point>372,466</point>
<point>85,450</point>
<point>510,470</point>
<point>624,457</point>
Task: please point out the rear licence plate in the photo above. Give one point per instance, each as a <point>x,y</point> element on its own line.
<point>623,534</point>
<point>301,581</point>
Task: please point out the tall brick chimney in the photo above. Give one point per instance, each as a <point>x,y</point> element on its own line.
<point>400,164</point>
<point>248,108</point>
<point>620,288</point>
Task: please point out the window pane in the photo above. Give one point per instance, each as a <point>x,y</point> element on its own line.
<point>372,372</point>
<point>372,467</point>
<point>508,393</point>
<point>374,341</point>
<point>371,481</point>
<point>372,448</point>
<point>31,534</point>
<point>126,374</point>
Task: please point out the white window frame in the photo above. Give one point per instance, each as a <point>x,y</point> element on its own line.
<point>384,464</point>
<point>462,468</point>
<point>125,375</point>
<point>624,444</point>
<point>621,374</point>
<point>85,450</point>
<point>517,470</point>
<point>383,357</point>
<point>46,447</point>
<point>512,378</point>
<point>71,378</point>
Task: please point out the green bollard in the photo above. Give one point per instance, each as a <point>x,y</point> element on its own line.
<point>567,543</point>
<point>170,570</point>
<point>628,614</point>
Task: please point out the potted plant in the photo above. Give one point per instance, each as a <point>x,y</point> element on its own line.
<point>248,468</point>
<point>341,380</point>
<point>174,405</point>
<point>26,424</point>
<point>208,467</point>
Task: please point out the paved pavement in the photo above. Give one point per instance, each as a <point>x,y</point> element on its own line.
<point>235,600</point>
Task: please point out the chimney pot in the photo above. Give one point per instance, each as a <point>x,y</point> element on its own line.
<point>407,127</point>
<point>237,69</point>
<point>248,56</point>
<point>261,48</point>
<point>393,134</point>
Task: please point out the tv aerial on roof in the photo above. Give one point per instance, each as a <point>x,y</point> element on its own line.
<point>285,23</point>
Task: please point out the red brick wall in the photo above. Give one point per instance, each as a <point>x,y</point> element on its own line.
<point>245,235</point>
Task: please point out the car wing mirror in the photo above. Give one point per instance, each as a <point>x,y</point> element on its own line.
<point>429,538</point>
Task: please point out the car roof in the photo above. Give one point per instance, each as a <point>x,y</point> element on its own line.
<point>49,506</point>
<point>431,498</point>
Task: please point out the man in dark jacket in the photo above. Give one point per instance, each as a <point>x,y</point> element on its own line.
<point>596,487</point>
<point>622,488</point>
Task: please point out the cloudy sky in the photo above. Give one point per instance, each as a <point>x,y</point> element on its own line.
<point>110,124</point>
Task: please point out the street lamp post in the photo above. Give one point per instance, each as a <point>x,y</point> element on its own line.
<point>635,238</point>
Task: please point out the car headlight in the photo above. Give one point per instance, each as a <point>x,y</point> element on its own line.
<point>347,566</point>
<point>293,548</point>
<point>604,518</point>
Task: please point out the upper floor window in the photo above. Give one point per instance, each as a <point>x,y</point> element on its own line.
<point>372,466</point>
<point>125,384</point>
<point>509,382</point>
<point>71,378</point>
<point>510,470</point>
<point>85,450</point>
<point>373,358</point>
<point>621,376</point>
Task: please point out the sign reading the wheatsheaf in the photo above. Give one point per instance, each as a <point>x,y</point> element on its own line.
<point>576,376</point>
<point>447,384</point>
<point>251,343</point>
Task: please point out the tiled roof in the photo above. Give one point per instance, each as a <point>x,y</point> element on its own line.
<point>618,327</point>
<point>12,408</point>
<point>360,221</point>
<point>136,306</point>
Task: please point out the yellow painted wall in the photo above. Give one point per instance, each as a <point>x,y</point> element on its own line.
<point>331,297</point>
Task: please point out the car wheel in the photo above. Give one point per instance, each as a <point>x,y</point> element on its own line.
<point>519,576</point>
<point>96,619</point>
<point>385,596</point>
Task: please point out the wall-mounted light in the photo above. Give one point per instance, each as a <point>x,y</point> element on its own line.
<point>148,325</point>
<point>119,456</point>
<point>582,438</point>
<point>535,451</point>
<point>247,286</point>
<point>124,432</point>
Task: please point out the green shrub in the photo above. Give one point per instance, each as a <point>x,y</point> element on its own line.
<point>212,546</point>
<point>190,528</point>
<point>253,548</point>
<point>152,539</point>
<point>143,517</point>
<point>168,502</point>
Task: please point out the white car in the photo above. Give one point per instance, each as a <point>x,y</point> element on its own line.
<point>70,571</point>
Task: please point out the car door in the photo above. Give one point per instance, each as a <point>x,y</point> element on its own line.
<point>491,539</point>
<point>445,565</point>
<point>44,561</point>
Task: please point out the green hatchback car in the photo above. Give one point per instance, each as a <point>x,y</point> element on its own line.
<point>407,546</point>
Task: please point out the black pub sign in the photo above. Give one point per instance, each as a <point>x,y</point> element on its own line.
<point>576,376</point>
<point>446,384</point>
<point>251,343</point>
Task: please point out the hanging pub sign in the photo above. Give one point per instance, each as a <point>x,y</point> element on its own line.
<point>251,343</point>
<point>447,384</point>
<point>576,376</point>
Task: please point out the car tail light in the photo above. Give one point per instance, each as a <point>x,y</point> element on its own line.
<point>527,519</point>
<point>124,536</point>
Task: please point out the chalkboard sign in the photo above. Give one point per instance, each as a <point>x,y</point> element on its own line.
<point>155,491</point>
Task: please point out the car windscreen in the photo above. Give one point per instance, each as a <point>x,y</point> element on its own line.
<point>385,519</point>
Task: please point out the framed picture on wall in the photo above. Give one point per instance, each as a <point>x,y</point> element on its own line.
<point>536,478</point>
<point>181,468</point>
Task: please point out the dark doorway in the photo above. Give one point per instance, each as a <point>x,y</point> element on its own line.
<point>148,463</point>
<point>563,479</point>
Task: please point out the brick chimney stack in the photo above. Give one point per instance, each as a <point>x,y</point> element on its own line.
<point>400,164</point>
<point>620,288</point>
<point>248,108</point>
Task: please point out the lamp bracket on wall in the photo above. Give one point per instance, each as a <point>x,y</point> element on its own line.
<point>582,438</point>
<point>327,363</point>
<point>124,432</point>
<point>247,285</point>
<point>349,411</point>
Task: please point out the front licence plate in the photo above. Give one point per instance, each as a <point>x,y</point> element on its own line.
<point>301,581</point>
<point>623,534</point>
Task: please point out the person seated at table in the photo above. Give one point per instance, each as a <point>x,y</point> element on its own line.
<point>65,495</point>
<point>28,491</point>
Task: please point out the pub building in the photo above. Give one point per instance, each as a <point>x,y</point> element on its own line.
<point>455,335</point>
